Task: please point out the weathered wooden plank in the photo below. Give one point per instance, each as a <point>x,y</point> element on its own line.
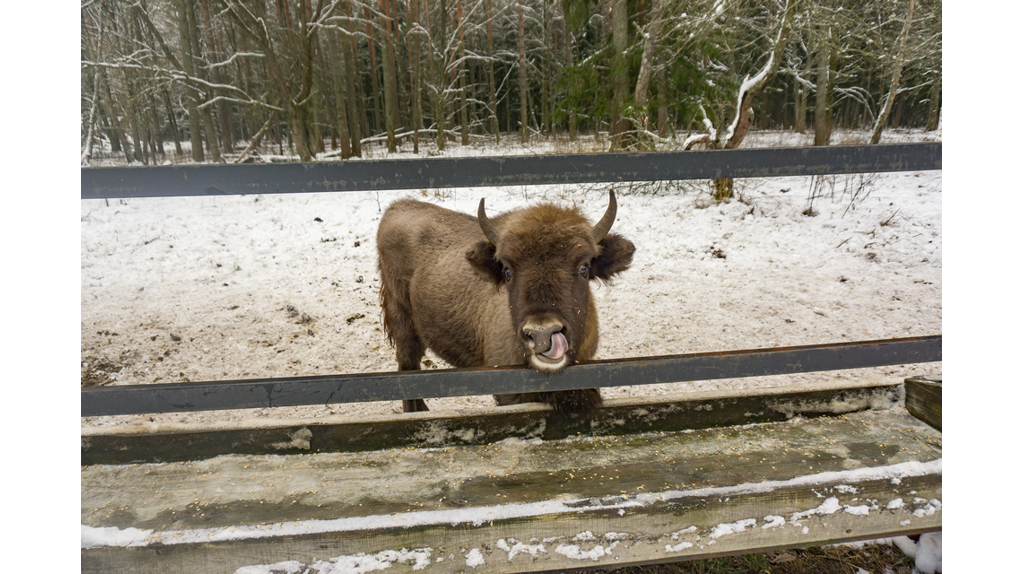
<point>924,399</point>
<point>178,442</point>
<point>593,501</point>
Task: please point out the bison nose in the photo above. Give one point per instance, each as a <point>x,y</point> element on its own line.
<point>538,337</point>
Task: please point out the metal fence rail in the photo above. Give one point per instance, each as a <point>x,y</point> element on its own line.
<point>329,389</point>
<point>200,180</point>
<point>358,175</point>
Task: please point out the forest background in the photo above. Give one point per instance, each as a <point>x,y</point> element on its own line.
<point>239,80</point>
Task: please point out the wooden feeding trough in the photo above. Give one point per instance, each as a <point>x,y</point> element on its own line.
<point>510,489</point>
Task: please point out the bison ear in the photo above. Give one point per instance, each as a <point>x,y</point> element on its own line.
<point>481,257</point>
<point>616,256</point>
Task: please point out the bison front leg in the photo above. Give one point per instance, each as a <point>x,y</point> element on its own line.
<point>409,351</point>
<point>409,348</point>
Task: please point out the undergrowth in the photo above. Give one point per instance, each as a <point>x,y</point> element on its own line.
<point>877,559</point>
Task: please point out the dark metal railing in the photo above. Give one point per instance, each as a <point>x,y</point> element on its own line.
<point>393,386</point>
<point>429,173</point>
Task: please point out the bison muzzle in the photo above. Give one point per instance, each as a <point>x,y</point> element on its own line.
<point>513,289</point>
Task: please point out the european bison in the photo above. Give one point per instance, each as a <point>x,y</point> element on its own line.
<point>509,290</point>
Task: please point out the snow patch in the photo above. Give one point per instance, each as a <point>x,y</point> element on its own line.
<point>93,537</point>
<point>830,506</point>
<point>862,510</point>
<point>928,509</point>
<point>678,547</point>
<point>474,558</point>
<point>299,439</point>
<point>286,567</point>
<point>520,548</point>
<point>929,553</point>
<point>574,552</point>
<point>732,527</point>
<point>894,504</point>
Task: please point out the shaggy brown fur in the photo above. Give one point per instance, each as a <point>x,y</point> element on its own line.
<point>446,287</point>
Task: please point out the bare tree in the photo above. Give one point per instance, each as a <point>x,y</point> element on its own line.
<point>620,76</point>
<point>897,69</point>
<point>524,95</point>
<point>646,64</point>
<point>743,119</point>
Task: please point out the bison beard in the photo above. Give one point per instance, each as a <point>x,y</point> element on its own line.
<point>509,290</point>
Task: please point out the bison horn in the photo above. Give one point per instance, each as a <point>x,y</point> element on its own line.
<point>485,224</point>
<point>603,226</point>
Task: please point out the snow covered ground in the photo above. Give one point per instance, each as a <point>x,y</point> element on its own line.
<point>195,289</point>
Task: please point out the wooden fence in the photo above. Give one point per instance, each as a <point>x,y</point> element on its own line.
<point>513,489</point>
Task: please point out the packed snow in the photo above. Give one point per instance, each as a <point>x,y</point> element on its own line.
<point>224,288</point>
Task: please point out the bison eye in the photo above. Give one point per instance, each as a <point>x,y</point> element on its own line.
<point>584,269</point>
<point>508,274</point>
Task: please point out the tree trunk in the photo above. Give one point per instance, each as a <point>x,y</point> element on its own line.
<point>460,26</point>
<point>374,80</point>
<point>223,109</point>
<point>663,127</point>
<point>800,105</point>
<point>440,101</point>
<point>544,64</point>
<point>823,90</point>
<point>120,137</point>
<point>340,94</point>
<point>91,122</point>
<point>492,98</point>
<point>897,70</point>
<point>352,88</point>
<point>295,114</point>
<point>646,64</point>
<point>172,121</point>
<point>155,128</point>
<point>934,104</point>
<point>620,75</point>
<point>524,134</point>
<point>192,102</point>
<point>415,77</point>
<point>390,75</point>
<point>195,53</point>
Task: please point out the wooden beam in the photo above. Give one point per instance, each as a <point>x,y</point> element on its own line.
<point>180,442</point>
<point>524,505</point>
<point>924,399</point>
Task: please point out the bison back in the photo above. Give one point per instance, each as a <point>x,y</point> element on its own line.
<point>432,295</point>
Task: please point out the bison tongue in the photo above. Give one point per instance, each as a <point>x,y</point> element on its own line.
<point>558,347</point>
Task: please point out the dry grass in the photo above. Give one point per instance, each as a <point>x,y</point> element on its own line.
<point>875,559</point>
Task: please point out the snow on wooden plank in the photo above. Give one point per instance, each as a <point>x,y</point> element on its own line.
<point>179,442</point>
<point>521,505</point>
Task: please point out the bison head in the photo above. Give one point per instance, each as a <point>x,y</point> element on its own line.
<point>546,256</point>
